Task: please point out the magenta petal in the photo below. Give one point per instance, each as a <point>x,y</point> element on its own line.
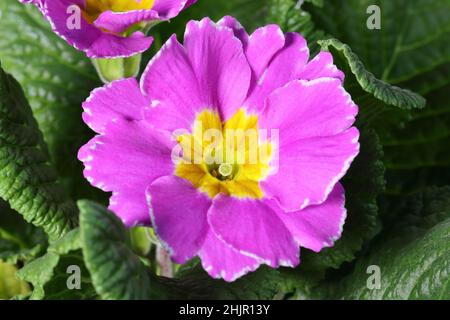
<point>88,38</point>
<point>210,71</point>
<point>119,22</point>
<point>321,66</point>
<point>318,226</point>
<point>308,109</point>
<point>221,69</point>
<point>315,147</point>
<point>171,85</point>
<point>309,169</point>
<point>238,30</point>
<point>112,46</point>
<point>285,66</point>
<point>178,213</point>
<point>263,44</point>
<point>119,99</point>
<point>222,261</point>
<point>167,9</point>
<point>125,160</point>
<point>253,228</point>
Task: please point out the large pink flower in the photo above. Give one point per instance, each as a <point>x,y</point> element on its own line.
<point>234,215</point>
<point>107,28</point>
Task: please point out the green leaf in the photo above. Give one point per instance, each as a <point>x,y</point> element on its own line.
<point>38,272</point>
<point>56,79</point>
<point>49,274</point>
<point>117,273</point>
<point>411,44</point>
<point>10,286</point>
<point>384,92</point>
<point>27,179</point>
<point>413,256</point>
<point>291,17</point>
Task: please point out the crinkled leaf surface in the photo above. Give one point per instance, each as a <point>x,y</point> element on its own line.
<point>27,178</point>
<point>413,256</point>
<point>50,273</point>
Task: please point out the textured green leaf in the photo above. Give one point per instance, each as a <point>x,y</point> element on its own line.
<point>117,273</point>
<point>291,17</point>
<point>48,274</point>
<point>27,179</point>
<point>412,42</point>
<point>413,256</point>
<point>384,92</point>
<point>56,79</point>
<point>38,272</point>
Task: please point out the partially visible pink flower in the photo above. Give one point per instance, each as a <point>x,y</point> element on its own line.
<point>107,28</point>
<point>234,216</point>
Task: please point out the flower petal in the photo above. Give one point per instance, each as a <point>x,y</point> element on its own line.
<point>121,99</point>
<point>119,22</point>
<point>238,30</point>
<point>220,65</point>
<point>171,85</point>
<point>253,228</point>
<point>222,261</point>
<point>308,169</point>
<point>178,213</point>
<point>285,66</point>
<point>263,44</point>
<point>90,39</point>
<point>318,226</point>
<point>321,66</point>
<point>210,71</point>
<point>167,9</point>
<point>125,160</point>
<point>308,109</point>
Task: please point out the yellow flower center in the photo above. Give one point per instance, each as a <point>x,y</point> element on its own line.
<point>95,8</point>
<point>225,157</point>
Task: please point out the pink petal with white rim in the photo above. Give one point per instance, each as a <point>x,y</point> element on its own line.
<point>253,228</point>
<point>321,66</point>
<point>285,66</point>
<point>119,22</point>
<point>125,160</point>
<point>167,9</point>
<point>119,99</point>
<point>178,212</point>
<point>318,226</point>
<point>236,27</point>
<point>308,169</point>
<point>87,37</point>
<point>171,84</point>
<point>221,68</point>
<point>263,44</point>
<point>210,71</point>
<point>222,261</point>
<point>308,109</point>
<point>315,147</point>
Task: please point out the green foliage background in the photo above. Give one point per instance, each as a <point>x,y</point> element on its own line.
<point>398,189</point>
